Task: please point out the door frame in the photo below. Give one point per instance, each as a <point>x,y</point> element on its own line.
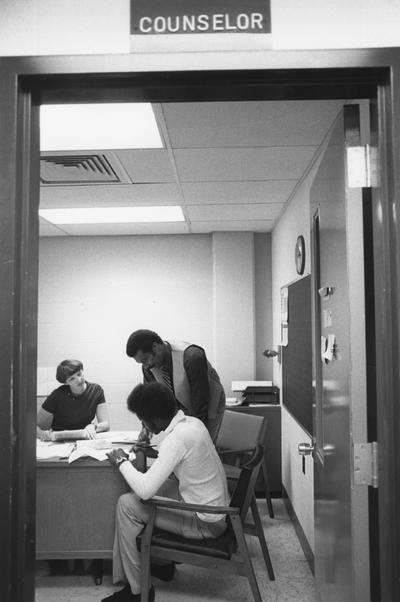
<point>282,75</point>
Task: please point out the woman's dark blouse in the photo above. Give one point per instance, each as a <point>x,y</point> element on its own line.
<point>70,412</point>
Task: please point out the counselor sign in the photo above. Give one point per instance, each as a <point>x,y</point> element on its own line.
<point>200,16</point>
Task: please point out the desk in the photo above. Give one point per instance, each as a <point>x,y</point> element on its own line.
<point>75,508</point>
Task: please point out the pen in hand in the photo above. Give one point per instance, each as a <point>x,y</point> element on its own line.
<point>146,448</point>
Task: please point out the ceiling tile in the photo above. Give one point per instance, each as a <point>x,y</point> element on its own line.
<point>267,191</point>
<point>253,123</point>
<point>226,226</point>
<point>245,212</point>
<point>125,229</point>
<point>104,196</point>
<point>243,163</point>
<point>147,165</point>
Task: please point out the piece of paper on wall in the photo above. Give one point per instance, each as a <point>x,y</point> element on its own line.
<point>284,334</point>
<point>284,304</point>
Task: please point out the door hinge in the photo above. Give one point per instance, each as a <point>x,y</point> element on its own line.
<point>366,464</point>
<point>362,166</point>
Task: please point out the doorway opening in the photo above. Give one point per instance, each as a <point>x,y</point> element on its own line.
<point>158,88</point>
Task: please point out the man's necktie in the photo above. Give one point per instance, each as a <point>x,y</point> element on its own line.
<point>166,378</point>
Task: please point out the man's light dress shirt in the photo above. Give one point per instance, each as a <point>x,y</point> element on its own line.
<point>188,452</point>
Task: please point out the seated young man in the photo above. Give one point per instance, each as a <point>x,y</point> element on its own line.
<point>187,451</point>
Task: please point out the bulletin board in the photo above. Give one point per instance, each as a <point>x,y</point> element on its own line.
<point>297,354</point>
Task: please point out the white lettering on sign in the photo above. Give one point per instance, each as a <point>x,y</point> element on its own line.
<point>203,23</point>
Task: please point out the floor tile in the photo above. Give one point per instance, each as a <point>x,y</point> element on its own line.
<point>294,581</point>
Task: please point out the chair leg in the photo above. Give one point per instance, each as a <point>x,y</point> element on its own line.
<point>261,537</point>
<point>242,546</point>
<point>145,558</point>
<point>267,489</point>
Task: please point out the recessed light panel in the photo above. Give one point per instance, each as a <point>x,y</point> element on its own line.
<point>102,126</point>
<point>112,215</point>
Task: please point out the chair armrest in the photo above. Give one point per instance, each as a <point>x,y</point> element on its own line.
<point>223,452</point>
<point>161,502</point>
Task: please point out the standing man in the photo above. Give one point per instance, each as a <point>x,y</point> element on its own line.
<point>184,368</point>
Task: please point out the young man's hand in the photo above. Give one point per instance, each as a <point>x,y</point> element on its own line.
<point>117,456</point>
<point>147,449</point>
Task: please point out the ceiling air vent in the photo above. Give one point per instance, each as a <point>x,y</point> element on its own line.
<point>78,169</point>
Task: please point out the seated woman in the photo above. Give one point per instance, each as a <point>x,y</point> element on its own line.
<point>73,406</point>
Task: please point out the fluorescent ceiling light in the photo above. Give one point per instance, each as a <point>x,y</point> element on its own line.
<point>112,215</point>
<point>98,127</point>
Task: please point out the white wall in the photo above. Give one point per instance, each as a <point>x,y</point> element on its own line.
<point>294,221</point>
<point>40,27</point>
<point>234,320</point>
<point>263,305</point>
<point>335,23</point>
<point>94,291</point>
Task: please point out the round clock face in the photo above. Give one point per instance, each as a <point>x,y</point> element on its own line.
<point>300,254</point>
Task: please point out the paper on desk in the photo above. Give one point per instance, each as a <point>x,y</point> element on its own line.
<point>97,454</point>
<point>47,449</point>
<point>121,436</point>
<point>94,448</point>
<point>61,435</point>
<point>241,385</point>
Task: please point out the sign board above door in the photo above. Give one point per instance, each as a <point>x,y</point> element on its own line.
<point>196,16</point>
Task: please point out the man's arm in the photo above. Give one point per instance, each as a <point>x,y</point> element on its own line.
<point>196,368</point>
<point>146,484</point>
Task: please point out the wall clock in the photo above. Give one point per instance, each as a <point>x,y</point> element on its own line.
<point>300,254</point>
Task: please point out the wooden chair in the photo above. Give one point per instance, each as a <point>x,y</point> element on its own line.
<point>238,433</point>
<point>229,549</point>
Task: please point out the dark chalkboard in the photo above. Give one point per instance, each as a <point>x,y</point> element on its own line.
<point>297,355</point>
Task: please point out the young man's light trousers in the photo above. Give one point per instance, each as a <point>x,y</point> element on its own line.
<point>132,515</point>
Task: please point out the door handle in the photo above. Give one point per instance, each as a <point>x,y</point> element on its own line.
<point>306,449</point>
<point>326,291</point>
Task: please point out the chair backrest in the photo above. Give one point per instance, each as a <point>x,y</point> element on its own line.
<point>240,431</point>
<point>245,484</point>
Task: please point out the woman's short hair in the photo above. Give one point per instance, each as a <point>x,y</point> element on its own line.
<point>67,368</point>
<point>152,400</point>
<point>141,340</point>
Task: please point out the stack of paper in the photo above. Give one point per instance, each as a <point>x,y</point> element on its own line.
<point>61,435</point>
<point>46,450</point>
<point>241,385</point>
